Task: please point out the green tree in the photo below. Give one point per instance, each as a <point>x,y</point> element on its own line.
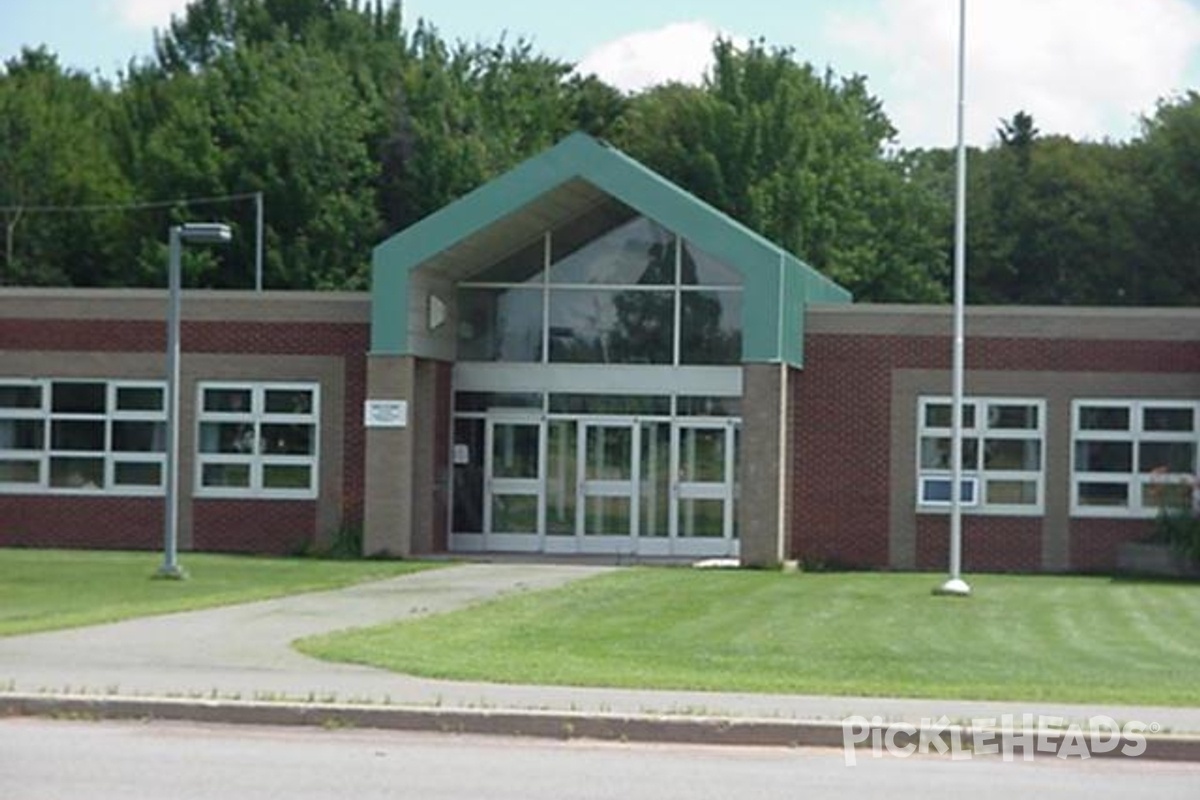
<point>1168,156</point>
<point>799,157</point>
<point>55,150</point>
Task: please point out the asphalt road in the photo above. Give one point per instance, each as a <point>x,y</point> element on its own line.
<point>43,759</point>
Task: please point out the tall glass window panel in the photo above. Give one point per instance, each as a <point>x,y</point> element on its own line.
<point>468,475</point>
<point>601,326</point>
<point>637,253</point>
<point>710,327</point>
<point>702,455</point>
<point>561,466</point>
<point>654,501</point>
<point>698,268</point>
<point>500,324</point>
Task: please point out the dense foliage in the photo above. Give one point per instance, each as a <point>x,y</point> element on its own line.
<point>354,125</point>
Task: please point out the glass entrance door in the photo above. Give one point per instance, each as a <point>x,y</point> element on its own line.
<point>607,472</point>
<point>704,522</point>
<point>512,510</point>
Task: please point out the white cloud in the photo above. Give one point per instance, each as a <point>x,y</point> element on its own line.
<point>681,51</point>
<point>145,14</point>
<point>1086,68</point>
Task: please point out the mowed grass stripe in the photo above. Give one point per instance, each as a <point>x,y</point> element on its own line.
<point>1070,639</point>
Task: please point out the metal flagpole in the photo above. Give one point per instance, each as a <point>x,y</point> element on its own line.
<point>954,584</point>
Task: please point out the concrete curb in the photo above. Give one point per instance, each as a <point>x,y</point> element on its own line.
<point>547,724</point>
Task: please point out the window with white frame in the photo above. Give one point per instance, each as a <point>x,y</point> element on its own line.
<point>82,436</point>
<point>1131,456</point>
<point>1002,454</point>
<point>257,440</point>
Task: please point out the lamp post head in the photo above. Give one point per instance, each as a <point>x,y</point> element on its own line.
<point>205,232</point>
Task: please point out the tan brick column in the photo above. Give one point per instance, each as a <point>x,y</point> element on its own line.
<point>762,511</point>
<point>388,474</point>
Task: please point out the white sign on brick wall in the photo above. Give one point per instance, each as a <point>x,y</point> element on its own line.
<point>385,413</point>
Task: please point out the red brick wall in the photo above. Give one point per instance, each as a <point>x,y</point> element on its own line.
<point>841,440</point>
<point>989,543</point>
<point>277,526</point>
<point>111,523</point>
<point>1094,542</point>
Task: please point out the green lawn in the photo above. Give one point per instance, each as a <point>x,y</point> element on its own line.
<point>48,589</point>
<point>1072,639</point>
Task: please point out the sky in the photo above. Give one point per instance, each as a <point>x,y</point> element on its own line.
<point>1090,69</point>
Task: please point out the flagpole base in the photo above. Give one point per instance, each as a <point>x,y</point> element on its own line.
<point>954,587</point>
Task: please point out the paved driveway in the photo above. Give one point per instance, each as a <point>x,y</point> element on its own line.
<point>245,650</point>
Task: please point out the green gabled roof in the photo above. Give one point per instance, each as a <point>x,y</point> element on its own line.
<point>777,285</point>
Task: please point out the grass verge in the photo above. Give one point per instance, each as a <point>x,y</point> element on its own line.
<point>49,589</point>
<point>1069,639</point>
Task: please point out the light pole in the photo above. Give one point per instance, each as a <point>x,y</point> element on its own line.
<point>200,233</point>
<point>954,585</point>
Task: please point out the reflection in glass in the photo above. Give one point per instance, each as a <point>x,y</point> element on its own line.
<point>486,401</point>
<point>77,435</point>
<point>1103,418</point>
<point>1012,454</point>
<point>1167,457</point>
<point>702,455</point>
<point>288,401</point>
<point>637,253</point>
<point>1095,493</point>
<point>139,437</point>
<point>609,453</point>
<point>137,474</point>
<point>226,437</point>
<point>236,475</point>
<point>500,324</point>
<point>18,396</point>
<point>139,398</point>
<point>468,475</point>
<point>561,466</point>
<point>287,476</point>
<point>77,473</point>
<point>21,434</point>
<point>1103,456</point>
<point>515,450</point>
<point>603,326</point>
<point>654,492</point>
<point>701,517</point>
<point>514,513</point>
<point>77,398</point>
<point>1168,419</point>
<point>935,453</point>
<point>1013,417</point>
<point>290,440</point>
<point>706,406</point>
<point>17,471</point>
<point>1011,493</point>
<point>227,401</point>
<point>937,415</point>
<point>607,516</point>
<point>700,269</point>
<point>710,327</point>
<point>641,405</point>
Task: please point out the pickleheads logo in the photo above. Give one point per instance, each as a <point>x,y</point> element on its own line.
<point>1006,736</point>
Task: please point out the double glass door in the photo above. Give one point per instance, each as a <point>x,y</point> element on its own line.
<point>610,485</point>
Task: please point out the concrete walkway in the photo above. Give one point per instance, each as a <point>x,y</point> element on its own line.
<point>243,653</point>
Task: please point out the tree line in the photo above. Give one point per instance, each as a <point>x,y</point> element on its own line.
<point>354,125</point>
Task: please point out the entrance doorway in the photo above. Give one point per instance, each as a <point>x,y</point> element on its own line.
<point>606,484</point>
